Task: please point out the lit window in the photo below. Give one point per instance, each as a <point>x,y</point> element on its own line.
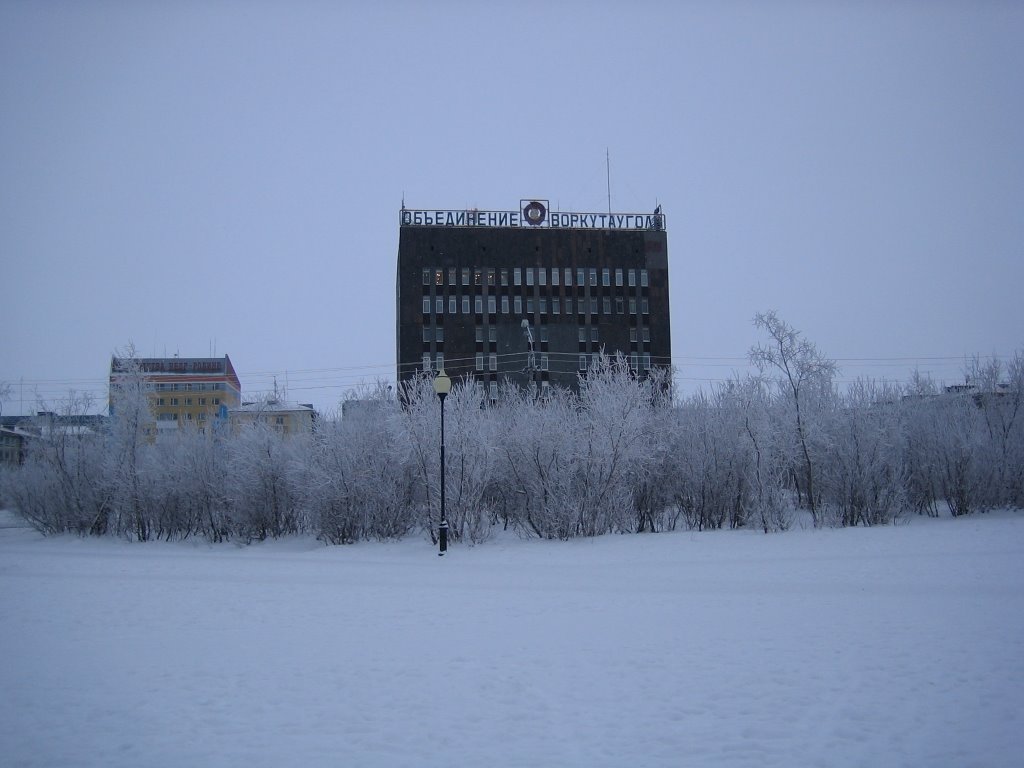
<point>477,277</point>
<point>438,277</point>
<point>490,277</point>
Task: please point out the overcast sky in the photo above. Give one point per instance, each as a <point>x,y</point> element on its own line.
<point>225,177</point>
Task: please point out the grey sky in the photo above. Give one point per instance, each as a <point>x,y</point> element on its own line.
<point>184,175</point>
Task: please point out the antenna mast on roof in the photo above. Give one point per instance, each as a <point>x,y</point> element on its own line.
<point>608,169</point>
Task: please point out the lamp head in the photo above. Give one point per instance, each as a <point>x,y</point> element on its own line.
<point>442,384</point>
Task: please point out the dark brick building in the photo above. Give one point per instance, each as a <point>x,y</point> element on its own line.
<point>583,283</point>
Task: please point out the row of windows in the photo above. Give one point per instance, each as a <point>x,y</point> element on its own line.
<point>490,362</point>
<point>541,305</point>
<point>436,333</point>
<point>174,417</point>
<point>537,275</point>
<point>217,386</point>
<point>160,401</point>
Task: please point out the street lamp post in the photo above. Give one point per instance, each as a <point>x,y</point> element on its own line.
<point>442,386</point>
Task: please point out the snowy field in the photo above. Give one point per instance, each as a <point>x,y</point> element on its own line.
<point>866,647</point>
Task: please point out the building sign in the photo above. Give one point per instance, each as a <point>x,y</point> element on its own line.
<point>532,213</point>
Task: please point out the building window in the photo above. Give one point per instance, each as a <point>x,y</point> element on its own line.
<point>644,306</point>
<point>490,277</point>
<point>492,304</point>
<point>556,305</point>
<point>632,335</point>
<point>643,278</point>
<point>453,305</point>
<point>504,277</point>
<point>593,276</point>
<point>517,276</point>
<point>607,305</point>
<point>634,361</point>
<point>504,305</point>
<point>202,401</point>
<point>438,277</point>
<point>479,361</point>
<point>518,305</point>
<point>647,335</point>
<point>542,276</point>
<point>544,362</point>
<point>606,277</point>
<point>593,334</point>
<point>632,306</point>
<point>426,361</point>
<point>465,305</point>
<point>159,401</point>
<point>581,276</point>
<point>529,306</point>
<point>426,305</point>
<point>529,275</point>
<point>554,276</point>
<point>618,278</point>
<point>583,362</point>
<point>583,334</point>
<point>494,362</point>
<point>632,278</point>
<point>593,305</point>
<point>647,362</point>
<point>568,305</point>
<point>543,334</point>
<point>439,305</point>
<point>440,361</point>
<point>479,334</point>
<point>492,333</point>
<point>568,276</point>
<point>479,305</point>
<point>451,276</point>
<point>174,401</point>
<point>428,335</point>
<point>477,277</point>
<point>216,401</point>
<point>439,334</point>
<point>619,305</point>
<point>543,305</point>
<point>426,277</point>
<point>465,276</point>
<point>492,391</point>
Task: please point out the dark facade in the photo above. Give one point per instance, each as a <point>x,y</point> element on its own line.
<point>465,289</point>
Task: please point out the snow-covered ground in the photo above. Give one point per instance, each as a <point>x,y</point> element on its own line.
<point>867,647</point>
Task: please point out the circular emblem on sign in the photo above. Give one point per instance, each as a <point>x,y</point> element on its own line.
<point>534,213</point>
